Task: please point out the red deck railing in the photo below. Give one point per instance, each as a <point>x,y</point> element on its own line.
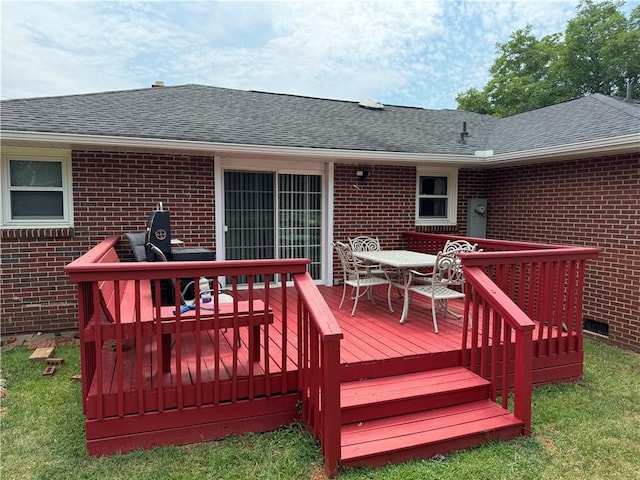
<point>129,369</point>
<point>510,286</point>
<point>127,340</point>
<point>319,361</point>
<point>500,333</point>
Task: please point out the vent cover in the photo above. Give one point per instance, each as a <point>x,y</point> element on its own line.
<point>371,105</point>
<point>594,326</point>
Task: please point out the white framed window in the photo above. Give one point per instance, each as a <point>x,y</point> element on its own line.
<point>436,196</point>
<point>36,188</point>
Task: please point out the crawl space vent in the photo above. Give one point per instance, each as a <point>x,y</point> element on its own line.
<point>594,326</point>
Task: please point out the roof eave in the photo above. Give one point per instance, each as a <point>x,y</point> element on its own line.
<point>607,146</point>
<point>230,149</point>
<point>601,147</point>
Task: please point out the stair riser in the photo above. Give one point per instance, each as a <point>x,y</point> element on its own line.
<point>431,449</point>
<point>361,413</point>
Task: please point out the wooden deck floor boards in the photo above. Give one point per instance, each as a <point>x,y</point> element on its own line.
<point>372,335</point>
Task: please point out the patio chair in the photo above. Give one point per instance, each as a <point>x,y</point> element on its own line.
<point>355,275</point>
<point>372,244</point>
<point>446,278</point>
<point>136,242</point>
<point>459,246</point>
<point>367,244</point>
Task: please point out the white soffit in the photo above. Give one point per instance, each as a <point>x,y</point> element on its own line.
<point>622,144</point>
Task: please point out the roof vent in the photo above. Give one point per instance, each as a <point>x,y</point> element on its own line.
<point>464,134</point>
<point>371,105</point>
<point>158,83</point>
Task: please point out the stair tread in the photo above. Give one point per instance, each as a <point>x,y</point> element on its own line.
<point>411,385</point>
<point>409,431</point>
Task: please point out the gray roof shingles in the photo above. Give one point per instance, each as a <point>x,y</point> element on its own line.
<point>219,115</point>
<point>592,117</point>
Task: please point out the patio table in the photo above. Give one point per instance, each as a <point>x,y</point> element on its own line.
<point>403,261</point>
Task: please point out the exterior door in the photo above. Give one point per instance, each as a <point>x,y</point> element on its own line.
<point>273,215</point>
<point>249,215</point>
<point>300,219</point>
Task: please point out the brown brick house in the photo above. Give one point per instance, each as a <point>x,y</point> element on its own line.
<point>253,174</point>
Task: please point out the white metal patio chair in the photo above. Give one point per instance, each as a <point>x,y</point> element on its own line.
<point>372,244</point>
<point>456,246</point>
<point>367,244</point>
<point>459,246</point>
<point>355,275</point>
<point>446,279</point>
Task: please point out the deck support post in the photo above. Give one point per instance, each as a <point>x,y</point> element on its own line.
<point>331,421</point>
<point>523,380</point>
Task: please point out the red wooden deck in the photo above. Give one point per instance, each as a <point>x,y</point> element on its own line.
<point>318,363</point>
<point>375,345</point>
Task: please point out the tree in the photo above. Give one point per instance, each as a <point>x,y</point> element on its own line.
<point>600,51</point>
<point>474,101</point>
<point>525,75</point>
<point>598,54</point>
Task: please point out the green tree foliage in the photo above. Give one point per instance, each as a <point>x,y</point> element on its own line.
<point>598,53</point>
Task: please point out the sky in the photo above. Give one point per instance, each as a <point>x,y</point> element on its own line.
<point>419,53</point>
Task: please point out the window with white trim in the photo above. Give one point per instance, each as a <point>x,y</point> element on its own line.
<point>36,188</point>
<point>436,196</point>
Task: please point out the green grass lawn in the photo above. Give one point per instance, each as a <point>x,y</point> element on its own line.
<point>586,430</point>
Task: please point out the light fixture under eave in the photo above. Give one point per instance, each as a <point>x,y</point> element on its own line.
<point>362,174</point>
<point>371,105</point>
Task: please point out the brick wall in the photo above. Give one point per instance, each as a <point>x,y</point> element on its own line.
<point>582,202</point>
<point>593,203</point>
<point>114,192</point>
<point>35,294</point>
<point>383,206</point>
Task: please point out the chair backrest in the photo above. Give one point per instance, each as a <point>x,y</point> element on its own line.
<point>447,270</point>
<point>364,244</point>
<point>459,246</point>
<point>349,264</point>
<point>136,242</point>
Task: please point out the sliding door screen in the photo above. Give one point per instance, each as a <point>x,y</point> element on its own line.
<point>300,219</point>
<point>269,215</point>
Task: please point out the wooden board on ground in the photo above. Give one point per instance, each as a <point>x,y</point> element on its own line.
<point>41,354</point>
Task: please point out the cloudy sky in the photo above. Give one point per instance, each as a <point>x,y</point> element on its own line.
<point>416,52</point>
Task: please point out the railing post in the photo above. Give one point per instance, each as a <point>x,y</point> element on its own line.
<point>331,421</point>
<point>320,391</point>
<point>523,380</point>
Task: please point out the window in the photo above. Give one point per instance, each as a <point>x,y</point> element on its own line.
<point>36,188</point>
<point>436,197</point>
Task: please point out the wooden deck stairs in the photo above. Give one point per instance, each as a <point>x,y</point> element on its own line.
<point>419,415</point>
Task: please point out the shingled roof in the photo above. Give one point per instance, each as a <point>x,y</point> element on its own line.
<point>200,113</point>
<point>588,118</point>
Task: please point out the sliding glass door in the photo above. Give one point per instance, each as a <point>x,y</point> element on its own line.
<point>300,219</point>
<point>249,215</point>
<point>273,215</point>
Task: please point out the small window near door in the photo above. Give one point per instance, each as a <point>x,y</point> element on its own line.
<point>36,189</point>
<point>436,197</point>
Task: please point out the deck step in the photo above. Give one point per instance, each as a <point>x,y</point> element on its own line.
<point>425,434</point>
<point>413,392</point>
